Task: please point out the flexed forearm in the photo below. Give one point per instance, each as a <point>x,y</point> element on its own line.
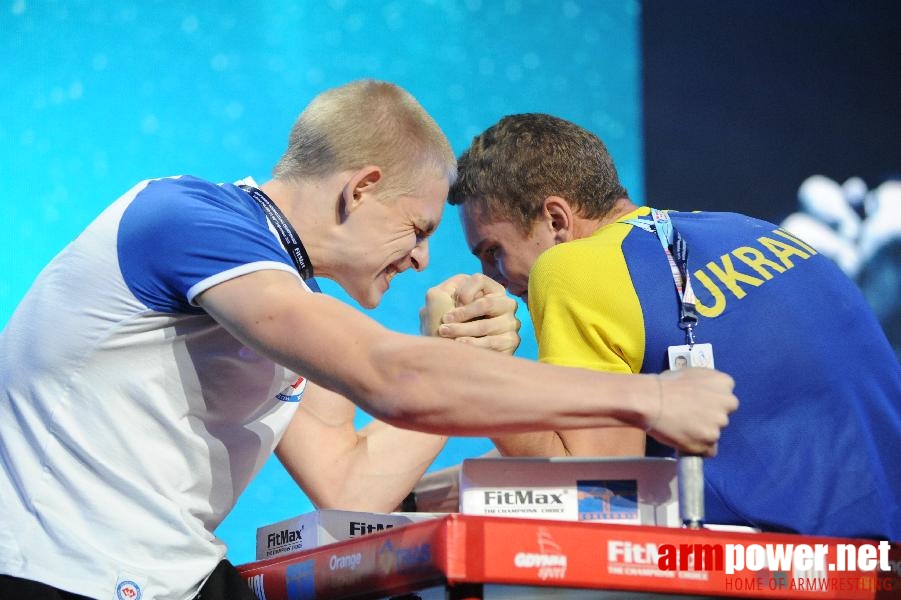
<point>337,466</point>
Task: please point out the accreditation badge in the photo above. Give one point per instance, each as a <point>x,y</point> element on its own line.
<point>697,355</point>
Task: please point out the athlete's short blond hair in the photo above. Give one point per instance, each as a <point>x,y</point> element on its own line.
<point>368,122</point>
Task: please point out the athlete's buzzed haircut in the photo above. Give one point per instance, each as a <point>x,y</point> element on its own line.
<point>367,122</point>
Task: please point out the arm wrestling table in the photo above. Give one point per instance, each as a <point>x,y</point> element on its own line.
<point>463,557</point>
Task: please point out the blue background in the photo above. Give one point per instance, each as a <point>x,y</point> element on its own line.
<point>99,95</point>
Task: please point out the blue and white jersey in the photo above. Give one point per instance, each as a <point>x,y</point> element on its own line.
<point>130,420</point>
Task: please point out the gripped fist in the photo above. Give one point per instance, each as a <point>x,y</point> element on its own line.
<point>693,406</point>
<point>472,309</point>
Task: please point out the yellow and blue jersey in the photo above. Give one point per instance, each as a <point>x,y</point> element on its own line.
<point>813,446</point>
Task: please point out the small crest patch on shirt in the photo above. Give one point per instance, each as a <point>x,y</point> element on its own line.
<point>294,392</point>
<point>128,588</point>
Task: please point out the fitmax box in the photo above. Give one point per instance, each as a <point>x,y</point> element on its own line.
<point>638,491</point>
<point>321,527</point>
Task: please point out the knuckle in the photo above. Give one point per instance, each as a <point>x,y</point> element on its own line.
<point>433,293</point>
<point>488,284</point>
<point>476,329</point>
<point>484,305</point>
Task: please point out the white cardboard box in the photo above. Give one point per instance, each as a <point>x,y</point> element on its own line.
<point>638,491</point>
<point>320,527</point>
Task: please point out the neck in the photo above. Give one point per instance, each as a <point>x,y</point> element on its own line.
<point>622,207</point>
<point>310,207</point>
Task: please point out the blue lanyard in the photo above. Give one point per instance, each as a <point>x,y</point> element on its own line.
<point>287,234</point>
<point>676,249</point>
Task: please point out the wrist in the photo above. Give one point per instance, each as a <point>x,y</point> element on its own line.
<point>647,402</point>
<point>655,415</point>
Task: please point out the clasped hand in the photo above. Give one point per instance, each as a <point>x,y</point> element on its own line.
<point>472,309</point>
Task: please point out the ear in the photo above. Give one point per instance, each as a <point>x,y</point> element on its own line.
<point>361,185</point>
<point>558,214</point>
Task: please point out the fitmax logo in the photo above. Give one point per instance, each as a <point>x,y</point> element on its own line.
<point>285,536</point>
<point>518,497</point>
<point>361,528</point>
